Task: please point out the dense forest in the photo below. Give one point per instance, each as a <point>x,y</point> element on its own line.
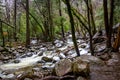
<point>59,39</point>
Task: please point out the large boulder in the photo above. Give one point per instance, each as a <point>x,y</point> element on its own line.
<point>63,67</point>
<point>80,67</point>
<point>91,59</point>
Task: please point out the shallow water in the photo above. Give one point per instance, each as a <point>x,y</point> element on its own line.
<point>29,61</point>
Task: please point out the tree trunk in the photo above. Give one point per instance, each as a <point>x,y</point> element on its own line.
<point>116,44</point>
<point>108,24</point>
<point>72,26</point>
<point>61,21</point>
<point>92,19</point>
<point>15,12</point>
<point>2,36</point>
<point>90,28</point>
<point>50,20</point>
<point>27,25</point>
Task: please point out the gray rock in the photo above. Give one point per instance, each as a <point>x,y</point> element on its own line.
<point>32,50</point>
<point>63,67</point>
<point>9,76</point>
<point>16,61</point>
<point>56,58</point>
<point>58,45</point>
<point>27,79</point>
<point>91,59</point>
<point>15,52</point>
<point>13,49</point>
<point>80,67</point>
<point>82,46</point>
<point>29,54</point>
<point>40,53</point>
<point>46,59</point>
<point>1,49</point>
<point>19,47</point>
<point>20,51</point>
<point>62,56</point>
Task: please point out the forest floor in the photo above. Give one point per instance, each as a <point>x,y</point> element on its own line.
<point>110,71</point>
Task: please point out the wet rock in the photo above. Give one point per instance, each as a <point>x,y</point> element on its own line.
<point>56,58</point>
<point>26,74</point>
<point>20,51</point>
<point>1,57</point>
<point>72,55</point>
<point>41,61</point>
<point>40,53</point>
<point>1,49</point>
<point>20,47</point>
<point>58,45</point>
<point>46,59</point>
<point>16,61</point>
<point>82,46</point>
<point>63,67</point>
<point>29,54</point>
<point>33,41</point>
<point>43,49</point>
<point>62,56</point>
<point>23,56</point>
<point>13,49</point>
<point>32,50</point>
<point>9,76</point>
<point>15,52</point>
<point>48,66</point>
<point>80,67</point>
<point>27,79</point>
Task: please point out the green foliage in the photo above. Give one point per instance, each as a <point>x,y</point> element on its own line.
<point>22,34</point>
<point>117,13</point>
<point>99,18</point>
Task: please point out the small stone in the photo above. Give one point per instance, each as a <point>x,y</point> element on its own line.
<point>19,47</point>
<point>20,51</point>
<point>56,58</point>
<point>13,49</point>
<point>46,59</point>
<point>27,79</point>
<point>1,49</point>
<point>16,61</point>
<point>62,56</point>
<point>40,53</point>
<point>29,54</point>
<point>83,46</point>
<point>58,45</point>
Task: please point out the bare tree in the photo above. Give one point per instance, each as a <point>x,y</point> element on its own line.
<point>15,12</point>
<point>27,24</point>
<point>72,26</point>
<point>108,21</point>
<point>61,21</point>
